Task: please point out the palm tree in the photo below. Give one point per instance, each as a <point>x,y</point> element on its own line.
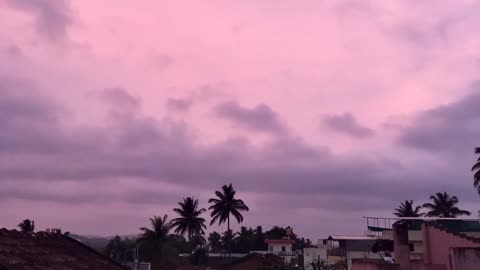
<point>189,221</point>
<point>444,205</point>
<point>27,226</point>
<point>476,170</point>
<point>225,205</point>
<point>406,209</point>
<point>158,235</point>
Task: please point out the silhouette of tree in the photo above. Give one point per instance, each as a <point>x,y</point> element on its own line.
<point>27,226</point>
<point>189,221</point>
<point>260,239</point>
<point>406,209</point>
<point>155,239</point>
<point>224,205</point>
<point>215,242</point>
<point>476,171</point>
<point>444,205</point>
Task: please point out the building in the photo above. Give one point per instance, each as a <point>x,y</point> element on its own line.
<point>282,248</point>
<point>383,228</point>
<point>342,249</point>
<point>315,254</point>
<point>443,247</point>
<point>42,250</point>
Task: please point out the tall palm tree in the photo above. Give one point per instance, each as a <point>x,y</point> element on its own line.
<point>189,221</point>
<point>444,205</point>
<point>27,225</point>
<point>476,170</point>
<point>225,205</point>
<point>406,209</point>
<point>158,235</point>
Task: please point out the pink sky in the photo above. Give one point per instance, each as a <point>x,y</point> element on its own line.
<point>319,112</point>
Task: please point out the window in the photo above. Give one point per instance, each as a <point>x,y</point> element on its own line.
<point>411,247</point>
<point>283,249</point>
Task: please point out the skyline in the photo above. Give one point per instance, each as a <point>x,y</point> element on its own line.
<point>325,112</point>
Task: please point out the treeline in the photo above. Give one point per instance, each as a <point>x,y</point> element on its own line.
<point>243,241</point>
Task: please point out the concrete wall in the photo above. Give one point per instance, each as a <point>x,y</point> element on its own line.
<point>465,258</point>
<point>437,244</point>
<point>277,248</point>
<point>352,255</point>
<point>314,255</point>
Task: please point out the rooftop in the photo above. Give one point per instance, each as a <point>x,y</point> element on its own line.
<point>351,237</point>
<point>39,251</point>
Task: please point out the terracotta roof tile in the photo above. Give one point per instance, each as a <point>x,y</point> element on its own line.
<point>41,251</point>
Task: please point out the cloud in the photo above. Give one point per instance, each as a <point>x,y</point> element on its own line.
<point>40,146</point>
<point>448,128</point>
<point>347,124</point>
<point>179,104</point>
<point>52,17</point>
<point>260,118</point>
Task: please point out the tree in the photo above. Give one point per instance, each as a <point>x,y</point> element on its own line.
<point>27,226</point>
<point>444,205</point>
<point>155,239</point>
<point>224,205</point>
<point>227,238</point>
<point>189,221</point>
<point>259,239</point>
<point>476,171</point>
<point>406,209</point>
<point>276,233</point>
<point>245,240</point>
<point>120,250</point>
<point>215,242</point>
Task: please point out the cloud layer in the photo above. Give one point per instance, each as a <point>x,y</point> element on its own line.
<point>115,115</point>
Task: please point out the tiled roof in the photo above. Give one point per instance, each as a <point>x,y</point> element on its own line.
<point>41,251</point>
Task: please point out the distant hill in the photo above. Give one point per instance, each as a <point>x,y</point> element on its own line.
<point>98,242</point>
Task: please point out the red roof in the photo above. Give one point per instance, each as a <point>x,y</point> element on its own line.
<point>279,241</point>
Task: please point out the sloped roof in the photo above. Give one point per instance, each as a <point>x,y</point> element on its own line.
<point>40,251</point>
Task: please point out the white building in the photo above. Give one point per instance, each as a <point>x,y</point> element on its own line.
<point>315,255</point>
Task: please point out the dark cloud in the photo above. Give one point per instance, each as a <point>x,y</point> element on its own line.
<point>347,124</point>
<point>449,128</point>
<point>52,17</point>
<point>179,104</point>
<point>42,144</point>
<point>260,118</point>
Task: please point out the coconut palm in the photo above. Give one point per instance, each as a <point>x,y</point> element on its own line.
<point>476,171</point>
<point>406,209</point>
<point>444,205</point>
<point>189,221</point>
<point>158,235</point>
<point>225,205</point>
<point>27,226</point>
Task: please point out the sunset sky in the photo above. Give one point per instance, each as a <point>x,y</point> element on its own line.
<point>318,112</point>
